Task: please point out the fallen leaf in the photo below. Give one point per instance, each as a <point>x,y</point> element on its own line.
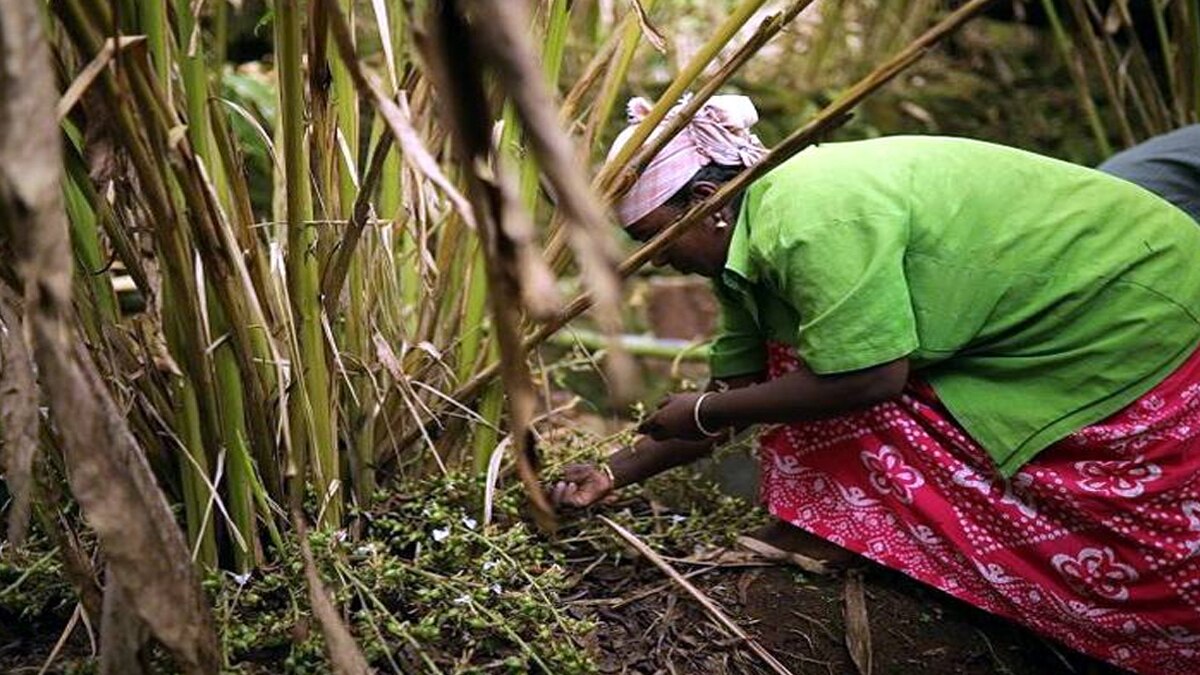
<point>858,629</point>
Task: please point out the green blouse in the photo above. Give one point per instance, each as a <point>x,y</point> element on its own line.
<point>1034,295</point>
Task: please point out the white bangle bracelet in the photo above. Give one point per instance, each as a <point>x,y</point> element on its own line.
<point>607,471</point>
<point>696,416</point>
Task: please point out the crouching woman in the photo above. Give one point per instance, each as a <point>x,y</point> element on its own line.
<point>973,364</point>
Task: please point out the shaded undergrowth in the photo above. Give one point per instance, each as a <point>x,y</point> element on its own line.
<point>423,583</point>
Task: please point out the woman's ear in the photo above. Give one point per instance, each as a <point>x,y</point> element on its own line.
<point>703,189</point>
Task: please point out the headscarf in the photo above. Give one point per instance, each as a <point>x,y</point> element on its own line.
<point>718,133</point>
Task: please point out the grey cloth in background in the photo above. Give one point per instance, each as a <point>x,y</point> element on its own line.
<point>1167,165</point>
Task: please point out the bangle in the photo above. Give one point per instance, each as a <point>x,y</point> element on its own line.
<point>607,471</point>
<point>696,416</point>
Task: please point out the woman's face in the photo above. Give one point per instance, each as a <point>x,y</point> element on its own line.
<point>701,250</point>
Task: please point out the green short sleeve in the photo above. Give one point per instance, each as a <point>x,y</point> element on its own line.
<point>846,280</point>
<point>739,348</point>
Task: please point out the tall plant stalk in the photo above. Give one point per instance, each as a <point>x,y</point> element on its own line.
<point>310,413</point>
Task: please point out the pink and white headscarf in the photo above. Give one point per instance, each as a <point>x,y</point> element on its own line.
<point>719,133</point>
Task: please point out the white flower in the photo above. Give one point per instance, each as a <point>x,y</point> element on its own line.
<point>469,522</point>
<point>462,600</point>
<point>489,565</point>
<point>677,519</point>
<point>495,588</point>
<point>241,579</point>
<point>441,534</point>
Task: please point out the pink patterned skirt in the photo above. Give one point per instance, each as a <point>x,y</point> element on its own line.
<point>1096,542</point>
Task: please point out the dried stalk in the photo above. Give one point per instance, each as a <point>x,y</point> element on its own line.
<point>503,38</point>
<point>458,67</point>
<point>344,653</point>
<point>709,606</point>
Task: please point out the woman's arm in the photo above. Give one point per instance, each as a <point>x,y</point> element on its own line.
<point>795,397</point>
<point>803,395</point>
<point>584,485</point>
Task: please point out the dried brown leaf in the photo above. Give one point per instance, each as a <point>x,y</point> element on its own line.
<point>858,627</point>
<point>500,28</point>
<point>107,472</point>
<point>769,552</point>
<point>396,115</point>
<point>539,289</point>
<point>122,633</point>
<point>456,65</point>
<point>18,419</point>
<point>90,72</point>
<point>651,33</point>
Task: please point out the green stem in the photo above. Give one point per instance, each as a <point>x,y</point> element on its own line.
<point>200,522</point>
<point>310,413</point>
<point>154,24</point>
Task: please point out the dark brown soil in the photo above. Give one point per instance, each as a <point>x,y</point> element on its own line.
<point>25,644</point>
<point>799,618</point>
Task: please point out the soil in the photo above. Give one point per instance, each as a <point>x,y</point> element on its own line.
<point>798,618</point>
<point>26,644</point>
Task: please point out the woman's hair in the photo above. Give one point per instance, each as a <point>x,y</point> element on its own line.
<point>712,173</point>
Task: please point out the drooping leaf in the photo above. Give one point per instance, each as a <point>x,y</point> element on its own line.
<point>107,472</point>
<point>18,419</point>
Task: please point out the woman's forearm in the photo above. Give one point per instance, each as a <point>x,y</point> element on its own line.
<point>803,395</point>
<point>648,457</point>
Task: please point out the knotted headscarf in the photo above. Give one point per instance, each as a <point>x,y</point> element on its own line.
<point>719,133</point>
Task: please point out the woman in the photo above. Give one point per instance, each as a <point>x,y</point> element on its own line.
<point>981,367</point>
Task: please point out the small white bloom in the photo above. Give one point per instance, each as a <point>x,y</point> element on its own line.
<point>677,519</point>
<point>469,522</point>
<point>489,565</point>
<point>341,536</point>
<point>441,534</point>
<point>495,588</point>
<point>462,600</point>
<point>241,579</point>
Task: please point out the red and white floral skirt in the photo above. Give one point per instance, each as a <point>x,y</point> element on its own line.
<point>1095,542</point>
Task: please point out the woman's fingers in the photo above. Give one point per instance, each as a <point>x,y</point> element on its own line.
<point>569,493</point>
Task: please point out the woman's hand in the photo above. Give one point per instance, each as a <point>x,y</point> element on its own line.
<point>582,485</point>
<point>674,419</point>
